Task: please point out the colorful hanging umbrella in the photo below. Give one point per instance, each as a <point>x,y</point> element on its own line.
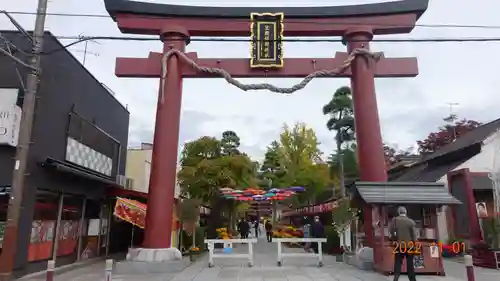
<point>274,190</point>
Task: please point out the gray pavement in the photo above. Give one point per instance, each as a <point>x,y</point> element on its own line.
<point>265,269</point>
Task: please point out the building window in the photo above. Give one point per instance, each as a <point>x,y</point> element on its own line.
<point>90,135</point>
<point>90,147</point>
<point>43,226</point>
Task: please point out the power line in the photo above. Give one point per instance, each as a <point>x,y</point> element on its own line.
<point>8,54</point>
<point>354,22</point>
<point>80,39</point>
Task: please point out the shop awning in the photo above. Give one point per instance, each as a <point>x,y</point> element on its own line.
<point>118,191</point>
<point>76,170</point>
<point>424,193</point>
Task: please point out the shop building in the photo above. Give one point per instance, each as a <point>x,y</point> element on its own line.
<point>76,158</point>
<point>137,173</point>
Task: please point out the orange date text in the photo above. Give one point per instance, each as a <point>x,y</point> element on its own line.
<point>410,248</point>
<point>455,247</point>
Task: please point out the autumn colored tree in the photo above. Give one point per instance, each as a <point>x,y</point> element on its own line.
<point>446,134</point>
<point>295,160</point>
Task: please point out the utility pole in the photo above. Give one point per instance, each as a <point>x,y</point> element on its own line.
<point>9,246</point>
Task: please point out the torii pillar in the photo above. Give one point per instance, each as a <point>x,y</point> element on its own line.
<point>174,22</point>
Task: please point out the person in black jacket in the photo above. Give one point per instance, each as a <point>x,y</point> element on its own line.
<point>269,231</point>
<point>243,229</point>
<point>317,231</point>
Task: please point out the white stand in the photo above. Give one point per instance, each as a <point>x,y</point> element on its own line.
<point>211,246</point>
<point>319,255</point>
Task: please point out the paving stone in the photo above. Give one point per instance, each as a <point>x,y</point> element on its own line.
<point>265,269</point>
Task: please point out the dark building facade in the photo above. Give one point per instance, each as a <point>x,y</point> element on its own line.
<point>77,154</point>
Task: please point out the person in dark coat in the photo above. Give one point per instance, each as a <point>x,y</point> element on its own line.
<point>243,229</point>
<point>256,228</point>
<point>403,232</point>
<point>317,231</point>
<point>269,231</point>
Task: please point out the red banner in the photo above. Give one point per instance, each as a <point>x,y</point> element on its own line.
<point>134,212</point>
<point>131,211</point>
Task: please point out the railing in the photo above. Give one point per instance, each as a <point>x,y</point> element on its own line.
<point>211,246</point>
<point>318,255</point>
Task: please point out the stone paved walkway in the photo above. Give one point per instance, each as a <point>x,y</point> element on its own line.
<point>265,269</point>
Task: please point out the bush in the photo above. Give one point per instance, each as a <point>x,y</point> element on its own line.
<point>491,230</point>
<point>187,240</point>
<point>332,245</point>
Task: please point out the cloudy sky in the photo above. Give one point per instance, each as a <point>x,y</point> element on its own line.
<point>463,73</point>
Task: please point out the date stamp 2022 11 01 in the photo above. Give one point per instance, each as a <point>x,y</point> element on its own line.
<point>436,248</point>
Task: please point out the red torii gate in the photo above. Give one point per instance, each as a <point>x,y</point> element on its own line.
<point>175,24</point>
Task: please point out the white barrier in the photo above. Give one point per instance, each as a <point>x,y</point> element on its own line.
<point>211,246</point>
<point>281,255</point>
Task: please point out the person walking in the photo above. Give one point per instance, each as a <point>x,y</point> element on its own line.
<point>243,229</point>
<point>403,233</point>
<point>318,231</point>
<point>307,234</point>
<point>256,227</point>
<point>269,231</point>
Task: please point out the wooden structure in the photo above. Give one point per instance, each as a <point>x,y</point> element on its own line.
<point>422,201</point>
<point>461,164</point>
<point>174,25</point>
<point>464,222</point>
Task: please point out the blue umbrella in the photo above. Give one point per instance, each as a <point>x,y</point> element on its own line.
<point>258,197</point>
<point>274,190</point>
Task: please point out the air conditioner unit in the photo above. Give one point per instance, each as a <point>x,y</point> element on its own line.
<point>121,180</point>
<point>129,183</point>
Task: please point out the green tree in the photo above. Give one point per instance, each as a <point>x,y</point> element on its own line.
<point>207,164</point>
<point>350,163</point>
<point>230,143</point>
<point>341,113</point>
<point>272,171</point>
<point>342,217</point>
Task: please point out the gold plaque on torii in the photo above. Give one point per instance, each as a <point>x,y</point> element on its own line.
<point>266,36</point>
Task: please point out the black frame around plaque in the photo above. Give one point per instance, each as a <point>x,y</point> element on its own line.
<point>272,22</point>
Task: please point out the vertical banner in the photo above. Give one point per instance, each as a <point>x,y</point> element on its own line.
<point>266,35</point>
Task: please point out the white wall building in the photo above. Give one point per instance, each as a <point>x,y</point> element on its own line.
<point>478,151</point>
